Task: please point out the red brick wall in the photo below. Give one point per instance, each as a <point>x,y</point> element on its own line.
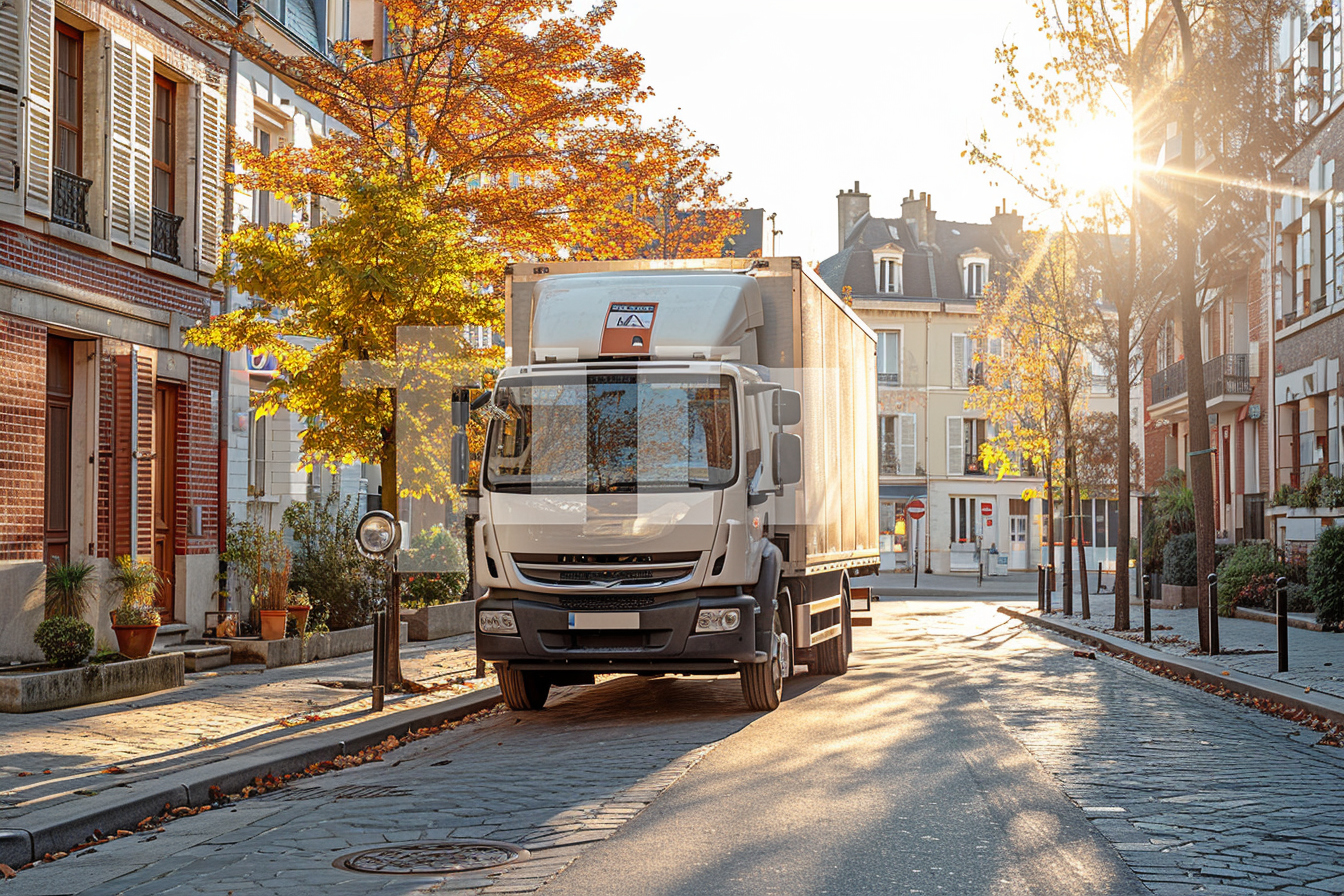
<point>198,457</point>
<point>23,420</point>
<point>47,257</point>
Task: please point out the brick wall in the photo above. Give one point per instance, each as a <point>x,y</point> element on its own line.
<point>45,256</point>
<point>23,411</point>
<point>198,457</point>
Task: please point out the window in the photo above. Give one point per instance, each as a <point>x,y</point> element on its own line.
<point>896,435</point>
<point>261,199</point>
<point>69,99</point>
<point>165,142</point>
<point>1101,378</point>
<point>889,357</point>
<point>966,370</point>
<point>975,279</point>
<point>258,448</point>
<point>889,275</point>
<point>964,513</point>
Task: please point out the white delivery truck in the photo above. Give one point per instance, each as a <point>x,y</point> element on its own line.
<point>680,475</point>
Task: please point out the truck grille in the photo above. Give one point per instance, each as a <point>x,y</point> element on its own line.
<point>623,572</point>
<point>604,602</point>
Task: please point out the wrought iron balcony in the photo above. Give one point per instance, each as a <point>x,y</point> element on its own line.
<point>1225,375</point>
<point>1169,382</point>
<point>888,379</point>
<point>70,200</point>
<point>163,242</point>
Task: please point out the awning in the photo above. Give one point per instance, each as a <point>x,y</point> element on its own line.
<point>901,491</point>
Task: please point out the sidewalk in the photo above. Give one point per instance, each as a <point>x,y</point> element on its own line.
<point>962,585</point>
<point>1248,662</point>
<point>224,727</point>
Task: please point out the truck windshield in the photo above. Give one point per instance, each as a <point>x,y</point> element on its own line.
<point>613,432</point>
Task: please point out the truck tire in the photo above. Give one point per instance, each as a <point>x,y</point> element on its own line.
<point>523,690</point>
<point>833,655</point>
<point>763,683</point>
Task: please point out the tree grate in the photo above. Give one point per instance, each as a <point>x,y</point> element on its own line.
<point>441,857</point>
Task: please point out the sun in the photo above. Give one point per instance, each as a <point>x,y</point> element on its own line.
<point>1095,156</point>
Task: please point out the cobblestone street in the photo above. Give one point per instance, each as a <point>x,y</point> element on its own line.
<point>1196,794</point>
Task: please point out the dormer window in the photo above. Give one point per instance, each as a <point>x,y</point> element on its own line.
<point>975,272</point>
<point>887,270</point>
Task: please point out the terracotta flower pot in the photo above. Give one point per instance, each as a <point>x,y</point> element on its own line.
<point>300,613</point>
<point>135,641</point>
<point>273,624</point>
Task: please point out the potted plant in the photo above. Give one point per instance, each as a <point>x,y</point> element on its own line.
<point>299,605</point>
<point>64,637</point>
<point>271,593</point>
<point>136,620</point>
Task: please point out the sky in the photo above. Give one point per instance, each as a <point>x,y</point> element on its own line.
<point>805,98</point>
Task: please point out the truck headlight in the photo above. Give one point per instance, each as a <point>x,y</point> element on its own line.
<point>717,620</point>
<point>497,622</point>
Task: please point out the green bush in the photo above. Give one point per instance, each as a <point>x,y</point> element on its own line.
<point>1180,565</point>
<point>436,564</point>
<point>1170,512</point>
<point>69,584</point>
<point>1243,563</point>
<point>1282,495</point>
<point>64,640</point>
<point>1332,491</point>
<point>326,565</point>
<point>1325,576</point>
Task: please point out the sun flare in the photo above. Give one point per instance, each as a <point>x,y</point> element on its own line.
<point>1095,156</point>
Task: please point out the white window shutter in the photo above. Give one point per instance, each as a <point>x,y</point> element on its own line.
<point>211,178</point>
<point>142,169</point>
<point>11,78</point>
<point>37,172</point>
<point>909,456</point>
<point>121,77</point>
<point>959,361</point>
<point>956,461</point>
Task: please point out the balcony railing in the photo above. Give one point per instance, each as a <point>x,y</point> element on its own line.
<point>1223,375</point>
<point>888,379</point>
<point>70,200</point>
<point>974,466</point>
<point>163,241</point>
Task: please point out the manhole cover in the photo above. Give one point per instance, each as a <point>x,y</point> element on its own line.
<point>443,857</point>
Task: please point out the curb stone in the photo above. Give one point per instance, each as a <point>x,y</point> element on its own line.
<point>60,827</point>
<point>1329,708</point>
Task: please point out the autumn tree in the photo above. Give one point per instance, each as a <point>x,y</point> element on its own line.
<point>673,204</point>
<point>1044,314</point>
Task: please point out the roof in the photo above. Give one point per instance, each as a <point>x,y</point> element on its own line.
<point>927,271</point>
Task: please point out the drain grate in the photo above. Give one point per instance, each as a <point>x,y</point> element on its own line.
<point>441,857</point>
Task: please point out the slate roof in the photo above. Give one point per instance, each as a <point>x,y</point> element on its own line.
<point>927,272</point>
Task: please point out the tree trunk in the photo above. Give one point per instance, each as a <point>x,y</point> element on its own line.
<point>1199,467</point>
<point>1067,586</point>
<point>1122,425</point>
<point>388,468</point>
<point>1082,549</point>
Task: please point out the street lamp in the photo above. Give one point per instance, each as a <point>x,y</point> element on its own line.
<point>376,534</point>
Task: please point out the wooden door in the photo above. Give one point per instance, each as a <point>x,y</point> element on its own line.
<point>165,495</point>
<point>60,389</point>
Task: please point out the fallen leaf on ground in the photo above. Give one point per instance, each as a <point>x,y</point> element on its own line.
<point>7,871</point>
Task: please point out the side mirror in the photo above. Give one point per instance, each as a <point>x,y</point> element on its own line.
<point>787,409</point>
<point>787,450</point>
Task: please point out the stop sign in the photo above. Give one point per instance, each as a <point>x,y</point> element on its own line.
<point>915,509</point>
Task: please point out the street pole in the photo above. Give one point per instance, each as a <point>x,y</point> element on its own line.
<point>1147,609</point>
<point>1281,606</point>
<point>1213,614</point>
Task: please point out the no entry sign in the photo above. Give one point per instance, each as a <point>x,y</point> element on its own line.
<point>915,509</point>
<point>986,508</point>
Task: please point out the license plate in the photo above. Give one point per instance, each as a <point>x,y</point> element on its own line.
<point>604,620</point>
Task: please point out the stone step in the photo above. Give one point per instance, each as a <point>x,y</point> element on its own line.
<point>170,634</point>
<point>199,656</point>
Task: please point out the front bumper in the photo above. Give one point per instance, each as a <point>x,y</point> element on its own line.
<point>665,641</point>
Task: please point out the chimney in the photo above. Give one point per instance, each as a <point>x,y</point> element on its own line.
<point>853,206</point>
<point>1008,223</point>
<point>919,212</point>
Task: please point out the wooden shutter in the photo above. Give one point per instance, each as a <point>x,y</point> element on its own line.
<point>10,81</point>
<point>956,461</point>
<point>959,360</point>
<point>142,169</point>
<point>121,76</point>
<point>41,37</point>
<point>123,416</point>
<point>909,456</point>
<point>211,178</point>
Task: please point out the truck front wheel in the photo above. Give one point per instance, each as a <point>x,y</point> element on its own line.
<point>763,683</point>
<point>523,690</point>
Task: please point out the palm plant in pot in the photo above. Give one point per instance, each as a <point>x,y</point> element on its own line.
<point>64,637</point>
<point>271,594</point>
<point>135,621</point>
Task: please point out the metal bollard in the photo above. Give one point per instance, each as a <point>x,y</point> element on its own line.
<point>379,658</point>
<point>1098,576</point>
<point>1147,609</point>
<point>1040,587</point>
<point>1281,606</point>
<point>1213,614</point>
<point>1049,588</point>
